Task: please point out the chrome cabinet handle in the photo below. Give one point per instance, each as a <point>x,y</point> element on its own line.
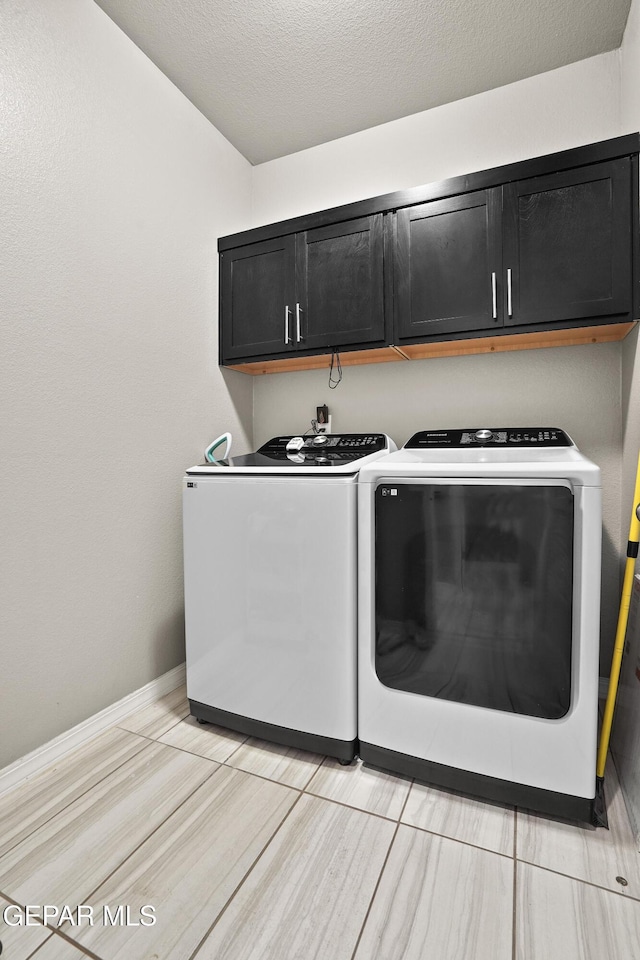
<point>298,333</point>
<point>287,313</point>
<point>509,300</point>
<point>494,296</point>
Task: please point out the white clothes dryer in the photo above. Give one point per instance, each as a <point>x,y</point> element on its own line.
<point>270,568</point>
<point>479,596</point>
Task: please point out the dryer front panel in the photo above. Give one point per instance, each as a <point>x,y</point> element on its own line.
<point>474,592</point>
<point>478,623</point>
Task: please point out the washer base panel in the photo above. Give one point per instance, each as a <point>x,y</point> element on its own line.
<point>328,746</point>
<point>485,788</point>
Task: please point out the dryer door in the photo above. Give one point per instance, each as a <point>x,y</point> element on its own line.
<point>474,592</point>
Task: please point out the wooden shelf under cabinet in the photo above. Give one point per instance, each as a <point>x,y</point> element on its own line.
<point>350,358</point>
<point>606,333</point>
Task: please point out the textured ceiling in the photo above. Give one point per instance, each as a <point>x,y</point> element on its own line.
<point>277,76</point>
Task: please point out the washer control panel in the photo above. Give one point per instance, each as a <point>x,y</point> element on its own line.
<point>332,446</point>
<point>490,437</point>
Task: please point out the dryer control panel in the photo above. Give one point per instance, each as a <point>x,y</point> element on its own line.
<point>490,437</point>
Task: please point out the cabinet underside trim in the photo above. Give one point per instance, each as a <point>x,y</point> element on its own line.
<point>606,333</point>
<point>317,362</point>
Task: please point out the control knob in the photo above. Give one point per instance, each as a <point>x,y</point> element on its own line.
<point>319,440</point>
<point>483,434</point>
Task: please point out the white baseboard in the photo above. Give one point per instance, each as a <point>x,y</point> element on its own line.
<point>41,757</point>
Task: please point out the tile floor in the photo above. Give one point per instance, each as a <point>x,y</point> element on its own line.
<point>248,851</point>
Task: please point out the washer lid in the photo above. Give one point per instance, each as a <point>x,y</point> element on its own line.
<point>504,437</point>
<point>320,453</point>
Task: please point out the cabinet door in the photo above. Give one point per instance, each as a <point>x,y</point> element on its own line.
<point>447,266</point>
<point>340,284</point>
<point>567,245</point>
<point>257,305</point>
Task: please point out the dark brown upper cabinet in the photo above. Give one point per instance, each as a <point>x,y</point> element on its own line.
<point>311,291</point>
<point>257,297</point>
<point>534,247</point>
<point>341,290</point>
<point>541,251</point>
<point>567,245</point>
<point>447,265</point>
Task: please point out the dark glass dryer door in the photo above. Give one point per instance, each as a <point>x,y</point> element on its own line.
<point>474,592</point>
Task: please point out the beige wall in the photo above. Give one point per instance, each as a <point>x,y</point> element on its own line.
<point>553,111</point>
<point>574,388</point>
<point>113,190</point>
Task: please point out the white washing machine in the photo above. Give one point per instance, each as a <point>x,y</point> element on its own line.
<point>479,596</point>
<point>270,562</point>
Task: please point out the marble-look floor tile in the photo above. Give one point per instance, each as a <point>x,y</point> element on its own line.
<point>19,940</point>
<point>442,899</point>
<point>155,719</point>
<point>204,739</point>
<point>461,818</point>
<point>308,894</point>
<point>69,856</point>
<point>359,785</point>
<point>275,762</point>
<point>586,853</point>
<point>32,803</point>
<point>189,868</point>
<point>558,918</point>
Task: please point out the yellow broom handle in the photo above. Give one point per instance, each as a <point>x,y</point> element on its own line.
<point>623,616</point>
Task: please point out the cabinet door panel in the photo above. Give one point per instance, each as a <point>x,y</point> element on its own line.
<point>340,277</point>
<point>257,286</point>
<point>448,266</point>
<point>567,244</point>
